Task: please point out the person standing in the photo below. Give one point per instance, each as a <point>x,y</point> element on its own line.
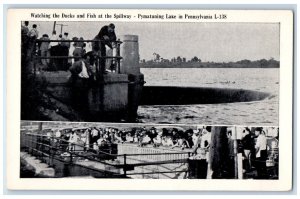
<point>44,48</point>
<point>60,53</point>
<point>202,150</point>
<point>81,43</point>
<point>231,155</point>
<point>78,51</point>
<point>65,46</point>
<point>73,140</point>
<point>248,146</point>
<point>59,38</point>
<point>105,37</point>
<point>81,76</point>
<point>24,36</point>
<point>53,48</point>
<point>32,36</point>
<point>24,43</point>
<point>24,30</point>
<point>261,153</point>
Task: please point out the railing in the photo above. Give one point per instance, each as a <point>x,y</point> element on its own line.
<point>97,57</point>
<point>154,162</point>
<point>50,148</point>
<point>145,154</point>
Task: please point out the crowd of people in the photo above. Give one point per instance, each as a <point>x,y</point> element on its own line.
<point>258,149</point>
<point>61,53</point>
<point>257,145</point>
<point>54,50</point>
<point>96,137</point>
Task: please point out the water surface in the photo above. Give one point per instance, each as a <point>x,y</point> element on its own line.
<point>263,112</point>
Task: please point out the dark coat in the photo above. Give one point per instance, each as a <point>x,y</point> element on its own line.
<point>76,68</point>
<point>104,32</point>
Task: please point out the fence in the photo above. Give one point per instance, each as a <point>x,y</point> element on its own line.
<point>50,148</point>
<point>127,157</point>
<point>137,155</point>
<point>97,56</point>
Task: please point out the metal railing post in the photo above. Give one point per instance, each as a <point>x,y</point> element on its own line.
<point>116,59</point>
<point>35,55</point>
<point>125,166</point>
<point>42,148</point>
<point>51,152</point>
<point>30,143</point>
<point>27,143</point>
<point>118,54</point>
<point>71,153</point>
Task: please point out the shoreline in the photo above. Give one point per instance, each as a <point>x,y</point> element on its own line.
<point>198,64</point>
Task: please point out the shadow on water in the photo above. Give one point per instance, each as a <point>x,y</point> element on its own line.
<point>167,95</point>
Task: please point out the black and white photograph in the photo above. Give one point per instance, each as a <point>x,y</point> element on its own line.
<point>109,150</point>
<point>172,73</point>
<point>113,99</point>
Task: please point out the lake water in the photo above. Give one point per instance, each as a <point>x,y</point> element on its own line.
<point>256,113</point>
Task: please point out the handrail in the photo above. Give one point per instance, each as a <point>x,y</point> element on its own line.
<point>67,141</point>
<point>69,40</point>
<point>157,172</point>
<point>48,146</point>
<point>176,153</point>
<point>72,153</point>
<point>116,58</point>
<point>71,57</point>
<point>161,148</point>
<point>130,154</point>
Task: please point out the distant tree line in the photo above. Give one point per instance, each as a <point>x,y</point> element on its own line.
<point>158,59</point>
<point>195,62</point>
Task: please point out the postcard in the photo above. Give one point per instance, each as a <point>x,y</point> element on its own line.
<point>126,99</point>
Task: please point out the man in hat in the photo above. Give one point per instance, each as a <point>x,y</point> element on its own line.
<point>32,36</point>
<point>80,80</point>
<point>107,37</point>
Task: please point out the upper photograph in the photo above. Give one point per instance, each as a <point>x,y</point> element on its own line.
<point>150,72</point>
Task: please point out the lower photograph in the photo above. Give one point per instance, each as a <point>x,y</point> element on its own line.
<point>148,151</point>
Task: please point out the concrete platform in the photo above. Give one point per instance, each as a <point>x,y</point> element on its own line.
<point>35,165</point>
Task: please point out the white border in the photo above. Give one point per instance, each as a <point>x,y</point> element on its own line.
<point>285,109</point>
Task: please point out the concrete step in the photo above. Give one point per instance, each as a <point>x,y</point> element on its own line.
<point>35,165</point>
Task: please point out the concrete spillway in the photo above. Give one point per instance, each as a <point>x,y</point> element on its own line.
<point>168,95</point>
<point>106,97</point>
<point>116,96</point>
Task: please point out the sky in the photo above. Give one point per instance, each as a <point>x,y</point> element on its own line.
<point>217,42</point>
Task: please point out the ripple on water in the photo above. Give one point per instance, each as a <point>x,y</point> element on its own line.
<point>246,113</point>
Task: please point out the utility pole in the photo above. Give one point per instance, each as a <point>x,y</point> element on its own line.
<point>54,26</point>
<point>238,157</point>
<point>219,143</point>
<point>235,151</point>
<point>61,27</point>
